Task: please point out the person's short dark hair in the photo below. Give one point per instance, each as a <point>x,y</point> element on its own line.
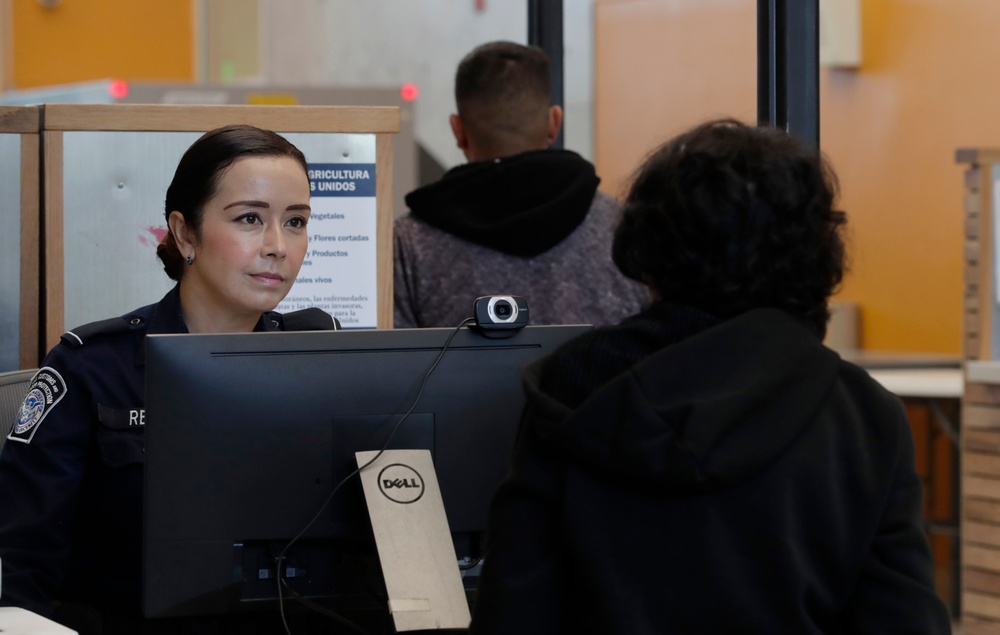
<point>502,90</point>
<point>200,170</point>
<point>728,217</point>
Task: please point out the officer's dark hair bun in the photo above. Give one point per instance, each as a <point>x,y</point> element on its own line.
<point>196,179</point>
<point>170,256</point>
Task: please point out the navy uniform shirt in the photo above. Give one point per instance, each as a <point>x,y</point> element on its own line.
<point>71,469</point>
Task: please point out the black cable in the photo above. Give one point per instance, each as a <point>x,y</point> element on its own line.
<point>333,615</point>
<point>392,434</point>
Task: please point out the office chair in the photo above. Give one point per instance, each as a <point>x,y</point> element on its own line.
<point>13,386</point>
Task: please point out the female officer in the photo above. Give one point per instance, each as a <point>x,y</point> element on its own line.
<point>71,469</point>
<point>708,466</point>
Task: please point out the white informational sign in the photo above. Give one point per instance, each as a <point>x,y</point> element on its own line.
<point>338,274</point>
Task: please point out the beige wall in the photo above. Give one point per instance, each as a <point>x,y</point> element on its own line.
<point>926,86</point>
<point>230,40</point>
<point>662,66</point>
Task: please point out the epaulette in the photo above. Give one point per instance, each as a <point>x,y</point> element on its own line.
<point>311,319</point>
<point>77,337</point>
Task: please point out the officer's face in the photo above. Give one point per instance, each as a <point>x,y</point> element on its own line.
<point>253,240</point>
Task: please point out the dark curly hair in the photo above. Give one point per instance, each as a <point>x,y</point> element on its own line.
<point>200,170</point>
<point>729,217</point>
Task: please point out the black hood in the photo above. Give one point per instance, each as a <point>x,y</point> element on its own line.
<point>704,413</point>
<point>521,205</point>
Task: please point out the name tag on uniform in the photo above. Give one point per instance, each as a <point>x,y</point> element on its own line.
<point>121,418</point>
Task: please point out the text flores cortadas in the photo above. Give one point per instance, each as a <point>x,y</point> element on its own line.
<point>325,186</point>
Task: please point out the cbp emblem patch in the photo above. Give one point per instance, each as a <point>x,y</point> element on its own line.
<point>46,390</point>
<point>31,410</point>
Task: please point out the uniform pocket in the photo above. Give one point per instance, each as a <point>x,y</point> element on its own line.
<point>120,436</point>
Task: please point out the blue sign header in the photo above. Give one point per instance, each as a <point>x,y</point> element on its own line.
<point>342,179</point>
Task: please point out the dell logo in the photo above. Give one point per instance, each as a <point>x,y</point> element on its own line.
<point>401,483</point>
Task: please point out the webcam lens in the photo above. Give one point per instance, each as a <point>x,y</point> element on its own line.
<point>502,309</point>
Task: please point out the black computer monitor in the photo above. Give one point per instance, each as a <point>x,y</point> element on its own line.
<point>247,435</point>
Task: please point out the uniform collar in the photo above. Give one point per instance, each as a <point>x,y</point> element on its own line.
<point>165,317</point>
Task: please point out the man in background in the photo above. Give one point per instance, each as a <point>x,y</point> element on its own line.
<point>518,219</point>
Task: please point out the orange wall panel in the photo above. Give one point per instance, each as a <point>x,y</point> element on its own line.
<point>890,128</point>
<point>80,41</point>
<point>657,72</point>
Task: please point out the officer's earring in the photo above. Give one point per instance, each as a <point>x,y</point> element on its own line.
<point>190,259</point>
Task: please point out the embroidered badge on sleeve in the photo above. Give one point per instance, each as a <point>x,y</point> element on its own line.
<point>47,388</point>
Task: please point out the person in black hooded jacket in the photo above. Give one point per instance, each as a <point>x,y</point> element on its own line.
<point>707,465</point>
<point>519,218</point>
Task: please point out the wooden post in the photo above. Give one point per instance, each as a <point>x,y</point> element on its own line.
<point>25,122</point>
<point>980,436</point>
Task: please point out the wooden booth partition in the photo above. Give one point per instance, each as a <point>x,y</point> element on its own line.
<point>19,237</point>
<point>980,437</point>
<point>106,170</point>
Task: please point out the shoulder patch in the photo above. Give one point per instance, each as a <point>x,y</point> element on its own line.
<point>47,388</point>
<point>77,337</point>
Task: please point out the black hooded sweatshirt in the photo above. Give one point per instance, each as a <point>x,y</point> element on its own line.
<point>532,224</point>
<point>676,474</point>
<point>521,205</point>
